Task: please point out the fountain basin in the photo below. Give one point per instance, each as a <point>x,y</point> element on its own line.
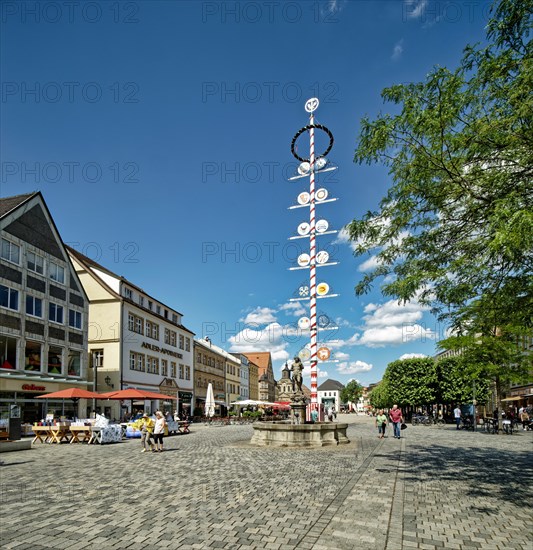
<point>283,434</point>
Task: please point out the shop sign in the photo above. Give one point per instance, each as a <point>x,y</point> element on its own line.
<point>185,395</point>
<point>33,387</point>
<point>164,351</point>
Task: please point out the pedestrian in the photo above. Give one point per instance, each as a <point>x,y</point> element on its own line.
<point>146,426</point>
<point>396,417</point>
<point>524,418</point>
<point>330,414</point>
<point>381,423</point>
<point>457,416</point>
<point>159,431</point>
<point>314,415</point>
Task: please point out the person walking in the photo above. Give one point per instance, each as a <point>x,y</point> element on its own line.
<point>457,416</point>
<point>146,426</point>
<point>396,417</point>
<point>524,418</point>
<point>381,423</point>
<point>159,431</point>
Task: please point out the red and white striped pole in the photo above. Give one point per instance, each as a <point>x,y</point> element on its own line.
<point>312,268</point>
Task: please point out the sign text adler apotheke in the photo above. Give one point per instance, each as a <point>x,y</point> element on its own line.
<point>161,350</point>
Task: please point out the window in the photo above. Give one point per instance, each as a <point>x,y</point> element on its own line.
<point>167,336</point>
<point>141,301</point>
<point>182,341</point>
<point>173,369</point>
<point>10,251</point>
<point>34,306</point>
<point>150,305</point>
<point>35,262</point>
<point>8,352</point>
<point>198,357</point>
<point>137,361</point>
<point>55,313</point>
<point>57,273</point>
<point>172,338</point>
<point>135,324</point>
<point>155,331</point>
<point>152,365</point>
<point>74,319</point>
<point>187,344</point>
<point>55,360</point>
<point>9,297</point>
<point>187,372</point>
<point>181,371</point>
<point>166,313</point>
<point>164,367</point>
<point>32,356</point>
<point>74,363</point>
<point>97,358</point>
<point>128,293</point>
<point>174,318</point>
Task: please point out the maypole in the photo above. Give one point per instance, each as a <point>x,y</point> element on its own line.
<point>311,166</point>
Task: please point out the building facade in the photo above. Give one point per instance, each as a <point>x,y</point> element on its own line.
<point>43,313</point>
<point>284,385</point>
<point>328,394</point>
<point>266,381</point>
<point>253,373</point>
<point>135,341</point>
<point>209,367</point>
<point>245,375</point>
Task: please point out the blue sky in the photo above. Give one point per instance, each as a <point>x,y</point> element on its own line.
<point>159,134</point>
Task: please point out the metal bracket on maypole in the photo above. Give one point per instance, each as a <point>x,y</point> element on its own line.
<point>310,166</point>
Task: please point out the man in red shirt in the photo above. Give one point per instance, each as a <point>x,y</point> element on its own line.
<point>396,418</point>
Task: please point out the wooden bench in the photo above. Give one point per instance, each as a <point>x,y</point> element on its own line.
<point>4,434</point>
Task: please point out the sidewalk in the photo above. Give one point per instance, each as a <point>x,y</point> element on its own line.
<point>436,488</point>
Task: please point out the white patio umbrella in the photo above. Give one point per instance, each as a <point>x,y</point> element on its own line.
<point>210,401</point>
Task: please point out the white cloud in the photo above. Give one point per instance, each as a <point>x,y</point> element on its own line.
<point>415,8</point>
<point>412,356</point>
<point>294,308</point>
<point>397,50</point>
<point>369,265</point>
<point>392,314</point>
<point>341,356</point>
<point>260,316</point>
<point>354,367</point>
<point>389,324</point>
<point>270,338</point>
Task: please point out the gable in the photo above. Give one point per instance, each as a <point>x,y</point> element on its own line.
<point>34,227</point>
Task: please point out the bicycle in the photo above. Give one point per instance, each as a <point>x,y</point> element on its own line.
<point>420,419</point>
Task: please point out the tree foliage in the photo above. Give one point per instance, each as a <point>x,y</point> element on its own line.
<point>457,384</point>
<point>455,226</point>
<point>351,392</point>
<point>411,381</point>
<point>379,396</point>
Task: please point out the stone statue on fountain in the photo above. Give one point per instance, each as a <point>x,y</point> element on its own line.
<point>297,380</point>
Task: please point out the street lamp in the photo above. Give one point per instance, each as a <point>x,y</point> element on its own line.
<point>96,364</point>
<point>107,380</point>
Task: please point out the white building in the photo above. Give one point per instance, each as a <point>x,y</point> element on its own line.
<point>135,340</point>
<point>329,394</point>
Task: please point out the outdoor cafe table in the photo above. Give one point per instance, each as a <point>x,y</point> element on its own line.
<point>40,433</point>
<point>51,434</point>
<point>80,431</point>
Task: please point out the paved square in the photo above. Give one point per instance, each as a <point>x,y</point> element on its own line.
<point>436,488</point>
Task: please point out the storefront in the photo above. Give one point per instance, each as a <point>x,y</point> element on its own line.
<point>24,394</point>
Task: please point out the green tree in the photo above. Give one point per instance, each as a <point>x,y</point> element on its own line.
<point>351,392</point>
<point>411,381</point>
<point>379,396</point>
<point>456,382</point>
<point>456,223</point>
<point>454,230</point>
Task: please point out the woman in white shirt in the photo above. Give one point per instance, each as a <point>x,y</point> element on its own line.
<point>159,431</point>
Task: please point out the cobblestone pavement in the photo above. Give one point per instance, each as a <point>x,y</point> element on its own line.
<point>436,488</point>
